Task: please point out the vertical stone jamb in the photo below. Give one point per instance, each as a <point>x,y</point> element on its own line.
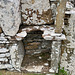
<point>55,56</point>
<point>17,54</point>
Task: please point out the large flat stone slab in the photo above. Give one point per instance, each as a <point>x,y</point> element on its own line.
<point>10,16</point>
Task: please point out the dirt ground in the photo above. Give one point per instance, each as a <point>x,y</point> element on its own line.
<point>5,72</point>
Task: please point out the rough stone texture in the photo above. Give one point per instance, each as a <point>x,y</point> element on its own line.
<point>48,33</point>
<point>36,12</point>
<point>10,17</point>
<point>55,56</point>
<point>68,47</point>
<point>11,55</point>
<point>17,54</point>
<point>5,56</point>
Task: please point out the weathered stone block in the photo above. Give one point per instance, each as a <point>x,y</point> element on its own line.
<point>10,16</point>
<point>17,54</point>
<point>36,12</point>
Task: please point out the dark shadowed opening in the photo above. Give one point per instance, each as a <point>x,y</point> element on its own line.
<point>37,51</point>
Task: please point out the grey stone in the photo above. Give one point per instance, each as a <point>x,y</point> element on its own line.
<point>55,56</point>
<point>17,54</point>
<point>4,59</point>
<point>10,17</point>
<point>3,50</point>
<point>2,66</point>
<point>68,55</point>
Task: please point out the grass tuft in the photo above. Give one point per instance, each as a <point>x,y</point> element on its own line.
<point>62,72</point>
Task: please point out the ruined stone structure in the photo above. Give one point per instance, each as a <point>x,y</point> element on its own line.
<point>32,27</point>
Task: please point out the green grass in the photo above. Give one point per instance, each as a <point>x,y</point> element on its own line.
<point>0,73</point>
<point>62,72</point>
<point>36,74</point>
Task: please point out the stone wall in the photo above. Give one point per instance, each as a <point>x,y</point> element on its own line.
<point>68,47</point>
<point>18,18</point>
<point>11,54</point>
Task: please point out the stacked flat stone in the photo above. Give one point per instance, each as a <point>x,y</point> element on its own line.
<point>11,53</point>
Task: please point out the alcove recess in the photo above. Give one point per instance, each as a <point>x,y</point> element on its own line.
<point>37,51</point>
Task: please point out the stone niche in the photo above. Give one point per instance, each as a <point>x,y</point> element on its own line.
<point>37,53</point>
<point>30,50</point>
<point>36,49</point>
<point>34,53</point>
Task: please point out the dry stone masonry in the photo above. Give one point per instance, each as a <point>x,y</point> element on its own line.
<point>28,28</point>
<point>68,47</point>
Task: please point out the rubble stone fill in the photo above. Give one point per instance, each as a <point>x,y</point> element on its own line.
<point>36,12</point>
